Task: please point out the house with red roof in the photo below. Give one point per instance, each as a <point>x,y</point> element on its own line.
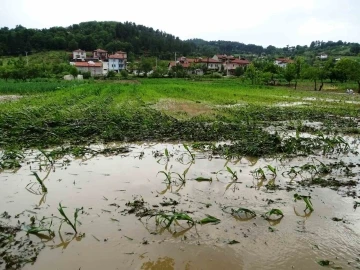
<point>223,57</point>
<point>100,54</point>
<point>183,61</point>
<point>211,63</point>
<point>95,68</point>
<point>231,65</point>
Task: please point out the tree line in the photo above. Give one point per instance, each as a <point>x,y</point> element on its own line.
<point>137,40</point>
<point>267,72</point>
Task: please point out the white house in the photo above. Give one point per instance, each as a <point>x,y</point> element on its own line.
<point>282,62</point>
<point>323,56</point>
<point>210,63</point>
<point>79,54</point>
<point>117,61</point>
<point>95,68</point>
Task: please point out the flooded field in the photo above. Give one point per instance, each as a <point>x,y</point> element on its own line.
<point>167,206</point>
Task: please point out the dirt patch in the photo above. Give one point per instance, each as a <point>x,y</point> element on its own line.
<point>190,108</point>
<point>9,98</point>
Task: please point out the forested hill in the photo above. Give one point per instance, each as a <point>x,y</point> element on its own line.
<point>141,40</point>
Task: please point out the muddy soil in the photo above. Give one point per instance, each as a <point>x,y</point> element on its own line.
<point>112,236</point>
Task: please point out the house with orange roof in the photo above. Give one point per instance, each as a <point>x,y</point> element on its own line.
<point>223,57</point>
<point>231,65</point>
<point>95,68</point>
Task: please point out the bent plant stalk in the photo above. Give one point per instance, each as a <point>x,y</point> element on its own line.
<point>66,219</point>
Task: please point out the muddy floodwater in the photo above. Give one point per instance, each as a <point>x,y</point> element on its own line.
<point>112,234</point>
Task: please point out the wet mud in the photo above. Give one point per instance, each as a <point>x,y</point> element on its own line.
<point>124,198</point>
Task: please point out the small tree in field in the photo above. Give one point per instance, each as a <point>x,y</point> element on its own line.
<point>124,74</point>
<point>238,71</point>
<point>289,73</point>
<point>351,69</point>
<point>251,73</point>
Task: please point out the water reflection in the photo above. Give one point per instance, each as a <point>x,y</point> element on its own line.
<point>165,263</point>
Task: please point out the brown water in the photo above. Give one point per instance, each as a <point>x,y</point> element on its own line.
<point>115,240</point>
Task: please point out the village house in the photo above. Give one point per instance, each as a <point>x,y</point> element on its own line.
<point>95,68</point>
<point>223,57</point>
<point>79,54</point>
<point>183,61</point>
<point>323,56</point>
<point>100,54</point>
<point>211,63</point>
<point>282,62</point>
<point>117,61</point>
<point>230,66</point>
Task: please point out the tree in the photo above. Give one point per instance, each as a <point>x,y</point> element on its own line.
<point>351,69</point>
<point>271,68</point>
<point>251,73</point>
<point>310,73</point>
<point>73,45</point>
<point>73,71</point>
<point>289,72</point>
<point>299,63</point>
<point>146,66</point>
<point>239,71</point>
<point>355,48</point>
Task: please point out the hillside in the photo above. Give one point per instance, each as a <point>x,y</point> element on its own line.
<point>139,40</point>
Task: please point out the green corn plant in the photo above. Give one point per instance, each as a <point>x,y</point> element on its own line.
<point>167,175</point>
<point>36,230</point>
<point>276,212</point>
<point>203,179</point>
<point>168,219</point>
<point>48,157</point>
<point>66,219</point>
<point>271,169</point>
<point>233,174</point>
<point>182,177</point>
<point>306,199</point>
<point>189,152</point>
<point>209,219</point>
<point>167,154</point>
<point>239,211</point>
<point>259,173</point>
<point>43,187</point>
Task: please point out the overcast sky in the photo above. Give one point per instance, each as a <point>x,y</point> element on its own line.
<point>261,22</point>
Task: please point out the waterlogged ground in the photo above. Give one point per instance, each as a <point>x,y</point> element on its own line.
<point>120,193</point>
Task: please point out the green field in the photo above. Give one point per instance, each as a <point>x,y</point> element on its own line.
<point>57,112</point>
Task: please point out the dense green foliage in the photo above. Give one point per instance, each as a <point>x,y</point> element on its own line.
<point>142,40</point>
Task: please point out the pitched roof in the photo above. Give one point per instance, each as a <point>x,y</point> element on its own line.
<point>118,56</point>
<point>100,50</point>
<point>87,64</point>
<point>240,61</point>
<point>79,50</point>
<point>284,60</point>
<point>184,64</point>
<point>224,56</point>
<point>209,60</point>
<point>120,52</point>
